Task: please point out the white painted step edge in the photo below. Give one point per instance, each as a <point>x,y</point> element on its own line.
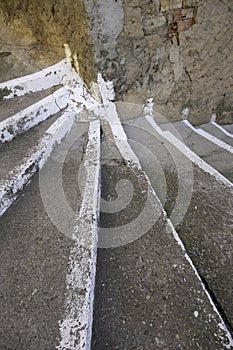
<point>188,153</point>
<point>222,129</point>
<point>22,174</point>
<point>76,327</point>
<point>33,115</point>
<point>209,137</point>
<point>44,79</point>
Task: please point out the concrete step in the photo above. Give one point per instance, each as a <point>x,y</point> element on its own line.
<point>228,127</point>
<point>9,108</point>
<point>42,80</point>
<point>148,293</point>
<point>33,115</point>
<point>27,153</point>
<point>213,151</point>
<point>217,131</point>
<point>199,201</point>
<point>48,250</point>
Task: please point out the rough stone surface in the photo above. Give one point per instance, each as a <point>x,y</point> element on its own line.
<point>42,27</point>
<point>179,52</point>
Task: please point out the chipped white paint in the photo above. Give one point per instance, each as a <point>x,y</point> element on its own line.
<point>21,175</point>
<point>213,118</point>
<point>33,115</point>
<point>68,53</point>
<point>189,154</point>
<point>148,108</point>
<point>185,112</point>
<point>42,80</point>
<point>209,137</point>
<point>76,327</point>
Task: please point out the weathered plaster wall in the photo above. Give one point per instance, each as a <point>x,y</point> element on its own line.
<point>42,26</point>
<point>179,52</point>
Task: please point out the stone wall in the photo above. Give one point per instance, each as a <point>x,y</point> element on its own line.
<point>42,27</point>
<point>179,52</point>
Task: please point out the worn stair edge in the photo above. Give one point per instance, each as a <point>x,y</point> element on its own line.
<point>33,115</point>
<point>209,137</point>
<point>44,79</point>
<point>22,174</point>
<point>76,327</point>
<point>189,153</point>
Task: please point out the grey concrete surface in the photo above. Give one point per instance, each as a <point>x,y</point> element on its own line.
<point>215,131</point>
<point>147,294</point>
<point>34,258</point>
<point>228,127</point>
<point>212,154</point>
<point>207,220</point>
<point>9,107</point>
<point>12,154</point>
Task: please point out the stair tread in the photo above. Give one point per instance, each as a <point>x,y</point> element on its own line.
<point>10,107</point>
<point>215,131</point>
<point>14,153</point>
<point>228,127</point>
<point>211,153</point>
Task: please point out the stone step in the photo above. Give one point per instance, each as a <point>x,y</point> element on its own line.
<point>199,201</point>
<point>42,80</point>
<point>217,131</point>
<point>33,114</point>
<point>9,108</point>
<point>22,157</point>
<point>147,287</point>
<point>213,151</point>
<point>228,127</point>
<point>48,249</point>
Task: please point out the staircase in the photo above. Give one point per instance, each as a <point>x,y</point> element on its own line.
<point>162,276</point>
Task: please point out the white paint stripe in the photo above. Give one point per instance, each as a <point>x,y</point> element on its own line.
<point>209,137</point>
<point>41,80</point>
<point>33,115</point>
<point>21,175</point>
<point>222,129</point>
<point>76,327</point>
<point>190,154</point>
